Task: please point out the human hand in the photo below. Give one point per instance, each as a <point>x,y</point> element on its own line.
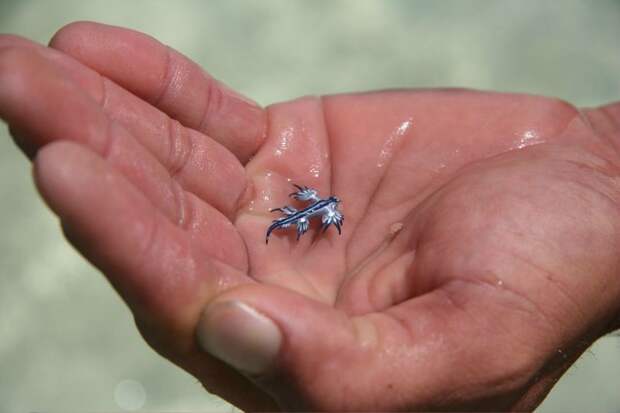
<point>477,262</point>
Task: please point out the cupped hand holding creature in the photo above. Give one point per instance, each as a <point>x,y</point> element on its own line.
<point>479,259</point>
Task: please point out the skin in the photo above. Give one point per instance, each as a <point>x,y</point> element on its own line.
<point>478,260</point>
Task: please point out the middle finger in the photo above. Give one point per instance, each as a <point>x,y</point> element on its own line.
<point>201,165</point>
<point>44,106</point>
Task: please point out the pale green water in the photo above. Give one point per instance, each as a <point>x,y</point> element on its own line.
<point>67,343</point>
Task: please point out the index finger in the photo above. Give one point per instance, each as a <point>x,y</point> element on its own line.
<point>168,80</point>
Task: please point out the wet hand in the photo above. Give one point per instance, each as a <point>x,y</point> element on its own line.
<point>478,260</point>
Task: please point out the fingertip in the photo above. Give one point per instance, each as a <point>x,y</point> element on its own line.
<point>35,93</point>
<point>45,171</point>
<point>116,53</point>
<point>239,335</point>
<point>57,169</point>
<point>279,339</point>
<point>303,322</point>
<point>168,80</point>
<point>59,157</point>
<point>46,162</point>
<point>67,35</point>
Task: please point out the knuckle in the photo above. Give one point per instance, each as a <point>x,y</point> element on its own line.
<point>213,103</point>
<point>179,147</point>
<point>169,80</point>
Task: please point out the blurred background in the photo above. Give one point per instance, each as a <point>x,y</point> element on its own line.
<point>68,343</point>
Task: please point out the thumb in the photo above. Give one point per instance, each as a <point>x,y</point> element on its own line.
<point>422,354</point>
<point>278,338</point>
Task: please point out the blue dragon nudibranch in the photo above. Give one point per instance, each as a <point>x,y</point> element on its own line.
<point>327,208</point>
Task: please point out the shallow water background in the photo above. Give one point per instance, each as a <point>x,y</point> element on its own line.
<point>67,342</point>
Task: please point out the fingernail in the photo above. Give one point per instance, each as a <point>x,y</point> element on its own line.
<point>239,335</point>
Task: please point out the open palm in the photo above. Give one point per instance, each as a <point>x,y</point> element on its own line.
<point>478,259</point>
